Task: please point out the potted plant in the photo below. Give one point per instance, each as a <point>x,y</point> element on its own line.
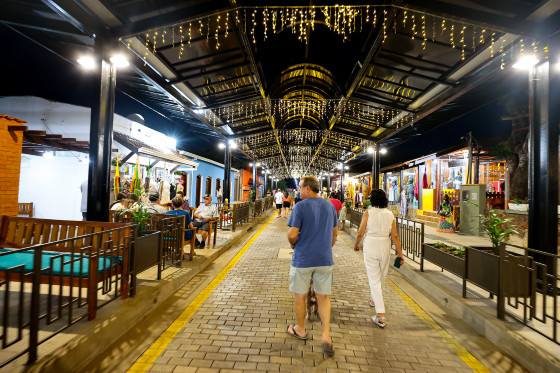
<point>147,244</point>
<point>490,267</point>
<point>367,204</point>
<point>519,205</point>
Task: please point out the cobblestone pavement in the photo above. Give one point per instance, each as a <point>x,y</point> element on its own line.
<point>241,326</point>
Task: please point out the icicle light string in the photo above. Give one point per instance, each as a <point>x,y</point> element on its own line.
<point>268,20</point>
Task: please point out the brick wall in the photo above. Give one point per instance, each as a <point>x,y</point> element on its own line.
<point>10,162</point>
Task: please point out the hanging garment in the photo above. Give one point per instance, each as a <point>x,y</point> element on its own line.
<point>425,181</point>
<point>403,204</point>
<point>165,191</point>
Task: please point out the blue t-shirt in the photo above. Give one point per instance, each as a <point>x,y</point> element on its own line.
<point>315,218</point>
<point>188,234</point>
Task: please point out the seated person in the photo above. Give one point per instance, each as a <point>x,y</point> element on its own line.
<point>154,206</point>
<point>185,206</point>
<point>178,210</point>
<point>118,204</point>
<point>203,215</point>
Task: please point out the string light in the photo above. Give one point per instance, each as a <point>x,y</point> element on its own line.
<point>423,32</point>
<point>492,45</point>
<point>463,43</point>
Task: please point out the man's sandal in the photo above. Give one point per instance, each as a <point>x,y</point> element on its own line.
<point>291,331</point>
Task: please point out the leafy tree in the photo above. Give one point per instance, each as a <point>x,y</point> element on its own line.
<point>282,184</point>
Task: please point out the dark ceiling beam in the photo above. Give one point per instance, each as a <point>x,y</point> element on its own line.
<point>419,59</point>
<point>366,97</point>
<point>226,91</point>
<point>222,103</point>
<point>208,64</point>
<point>250,126</point>
<point>176,17</point>
<point>31,21</point>
<point>411,73</point>
<point>237,136</point>
<point>204,57</point>
<point>479,76</point>
<point>77,15</point>
<point>222,81</point>
<point>390,82</point>
<point>217,70</point>
<point>352,134</point>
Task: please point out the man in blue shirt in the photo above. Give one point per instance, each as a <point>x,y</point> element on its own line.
<point>313,232</point>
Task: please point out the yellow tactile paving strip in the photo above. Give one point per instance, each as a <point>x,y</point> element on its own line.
<point>470,360</point>
<point>155,350</point>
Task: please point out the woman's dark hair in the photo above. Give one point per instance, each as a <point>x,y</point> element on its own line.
<point>121,196</point>
<point>286,193</point>
<point>177,202</point>
<point>378,199</point>
<point>446,198</point>
<point>133,197</point>
<point>181,193</point>
<point>333,195</point>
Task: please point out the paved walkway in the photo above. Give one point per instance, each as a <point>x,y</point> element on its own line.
<point>238,323</point>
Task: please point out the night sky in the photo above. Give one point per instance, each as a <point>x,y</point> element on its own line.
<point>32,70</point>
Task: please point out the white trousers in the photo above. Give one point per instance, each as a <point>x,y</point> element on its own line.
<point>377,255</point>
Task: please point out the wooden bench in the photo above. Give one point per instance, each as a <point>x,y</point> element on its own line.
<point>213,228</point>
<point>66,237</point>
<point>25,209</point>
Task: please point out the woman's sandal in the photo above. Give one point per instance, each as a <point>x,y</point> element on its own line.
<point>379,321</point>
<point>371,303</point>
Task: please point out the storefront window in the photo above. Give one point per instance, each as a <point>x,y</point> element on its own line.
<point>392,188</point>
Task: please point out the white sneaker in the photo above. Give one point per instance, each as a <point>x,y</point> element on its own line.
<point>379,321</point>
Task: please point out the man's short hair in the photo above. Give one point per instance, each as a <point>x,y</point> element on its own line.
<point>177,202</point>
<point>154,197</point>
<point>180,192</point>
<point>312,183</point>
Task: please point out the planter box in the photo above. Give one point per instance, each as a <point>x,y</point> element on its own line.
<point>147,251</point>
<point>518,206</point>
<point>482,268</point>
<point>449,262</point>
<point>483,271</point>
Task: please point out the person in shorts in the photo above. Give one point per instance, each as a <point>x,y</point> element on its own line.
<point>312,234</point>
<point>278,199</point>
<point>202,217</point>
<point>286,203</point>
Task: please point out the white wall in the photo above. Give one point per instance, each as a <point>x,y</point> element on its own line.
<point>53,185</point>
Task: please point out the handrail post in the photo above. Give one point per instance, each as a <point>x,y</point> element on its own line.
<point>35,307</point>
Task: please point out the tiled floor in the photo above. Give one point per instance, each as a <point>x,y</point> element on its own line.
<point>241,324</point>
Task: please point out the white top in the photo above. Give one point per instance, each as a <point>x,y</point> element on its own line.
<point>360,197</point>
<point>278,197</point>
<point>210,211</point>
<point>379,223</point>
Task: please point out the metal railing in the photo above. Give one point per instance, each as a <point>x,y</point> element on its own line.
<point>240,214</point>
<point>540,308</point>
<point>171,227</point>
<point>47,288</point>
<point>411,235</point>
<point>355,215</point>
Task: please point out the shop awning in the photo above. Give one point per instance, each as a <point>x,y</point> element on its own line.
<point>141,148</point>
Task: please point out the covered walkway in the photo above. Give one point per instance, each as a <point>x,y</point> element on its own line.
<point>238,322</point>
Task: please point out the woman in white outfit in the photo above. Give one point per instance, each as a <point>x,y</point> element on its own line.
<point>377,224</point>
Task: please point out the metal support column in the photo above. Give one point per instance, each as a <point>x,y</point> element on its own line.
<point>477,167</point>
<point>227,173</point>
<point>342,183</point>
<point>469,161</point>
<point>375,168</point>
<point>265,185</point>
<point>544,117</point>
<point>101,139</point>
<point>255,178</point>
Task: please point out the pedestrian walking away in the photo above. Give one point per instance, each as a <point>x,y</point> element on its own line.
<point>278,199</point>
<point>376,226</point>
<point>287,202</point>
<point>312,235</point>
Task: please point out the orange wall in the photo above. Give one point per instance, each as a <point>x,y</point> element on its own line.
<point>10,156</point>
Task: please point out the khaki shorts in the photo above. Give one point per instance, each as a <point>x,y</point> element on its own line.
<point>300,278</point>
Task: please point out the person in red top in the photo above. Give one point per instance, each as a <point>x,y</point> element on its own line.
<point>337,204</point>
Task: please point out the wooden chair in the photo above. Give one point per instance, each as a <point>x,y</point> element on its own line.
<point>213,227</point>
<point>25,209</point>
